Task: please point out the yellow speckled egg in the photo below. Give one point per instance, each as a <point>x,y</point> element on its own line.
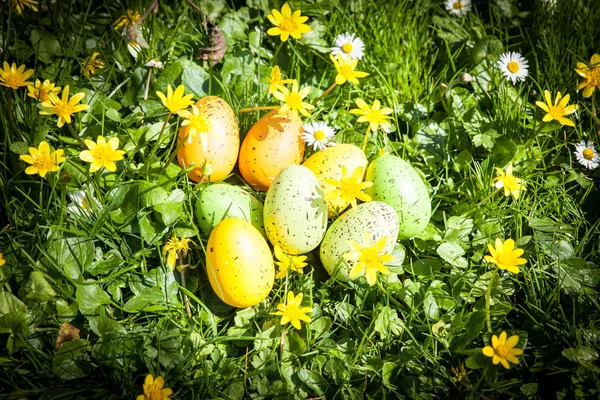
<point>239,263</point>
<point>327,164</point>
<point>273,143</point>
<point>222,141</point>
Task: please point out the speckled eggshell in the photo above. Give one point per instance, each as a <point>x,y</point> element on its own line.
<point>222,200</point>
<point>295,213</point>
<point>327,164</point>
<point>239,263</point>
<point>398,184</point>
<point>375,217</point>
<point>222,142</point>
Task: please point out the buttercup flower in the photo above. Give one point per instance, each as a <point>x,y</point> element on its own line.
<point>176,102</point>
<point>198,122</point>
<point>587,155</point>
<point>293,311</point>
<point>173,247</point>
<point>13,77</point>
<point>503,350</point>
<point>557,110</point>
<point>42,160</point>
<point>126,20</point>
<point>293,99</point>
<point>368,258</point>
<point>505,256</point>
<point>288,24</point>
<point>590,74</point>
<point>345,68</point>
<point>41,90</point>
<point>2,260</point>
<point>102,154</point>
<point>506,180</point>
<point>286,262</point>
<point>348,45</point>
<point>20,5</point>
<point>375,116</point>
<point>348,189</point>
<point>513,66</point>
<point>91,63</point>
<point>458,8</point>
<point>64,107</point>
<point>317,135</point>
<point>275,81</point>
<point>153,389</point>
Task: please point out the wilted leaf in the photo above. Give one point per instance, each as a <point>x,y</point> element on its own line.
<point>66,333</point>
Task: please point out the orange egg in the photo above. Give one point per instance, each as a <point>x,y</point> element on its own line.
<point>273,143</point>
<point>217,147</point>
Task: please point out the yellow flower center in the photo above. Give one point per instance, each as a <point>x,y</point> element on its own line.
<point>588,154</point>
<point>369,257</point>
<point>85,203</point>
<point>513,67</point>
<point>347,48</point>
<point>293,312</point>
<point>63,108</point>
<point>103,153</point>
<point>44,161</point>
<point>200,123</point>
<point>319,135</point>
<point>293,100</point>
<point>502,350</point>
<point>458,5</point>
<point>288,25</point>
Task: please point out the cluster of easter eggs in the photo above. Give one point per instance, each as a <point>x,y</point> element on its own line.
<point>295,215</point>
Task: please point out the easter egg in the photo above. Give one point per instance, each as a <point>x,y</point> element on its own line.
<point>239,263</point>
<point>222,200</point>
<point>273,143</point>
<point>217,147</point>
<point>398,184</point>
<point>327,164</point>
<point>295,213</point>
<point>375,217</point>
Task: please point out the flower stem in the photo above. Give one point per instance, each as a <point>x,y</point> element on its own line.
<point>594,104</point>
<point>11,116</point>
<point>186,300</point>
<point>274,59</point>
<point>75,135</point>
<point>488,295</point>
<point>245,110</point>
<point>325,93</point>
<point>366,139</point>
<point>172,156</point>
<point>147,84</point>
<point>161,133</point>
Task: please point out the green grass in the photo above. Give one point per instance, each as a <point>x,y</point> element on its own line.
<point>399,339</point>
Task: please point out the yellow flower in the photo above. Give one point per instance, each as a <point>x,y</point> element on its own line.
<point>288,24</point>
<point>41,90</point>
<point>64,107</point>
<point>293,100</point>
<point>126,20</point>
<point>275,81</point>
<point>345,68</point>
<point>375,116</point>
<point>460,374</point>
<point>176,102</point>
<point>590,75</point>
<point>505,256</point>
<point>558,109</point>
<point>368,258</point>
<point>286,261</point>
<point>14,78</point>
<point>503,350</point>
<point>20,5</point>
<point>506,180</point>
<point>173,247</point>
<point>292,311</point>
<point>198,122</point>
<point>2,260</point>
<point>348,189</point>
<point>153,389</point>
<point>42,160</point>
<point>91,63</point>
<point>102,154</point>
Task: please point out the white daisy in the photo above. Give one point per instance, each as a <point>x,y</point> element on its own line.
<point>348,44</point>
<point>83,203</point>
<point>458,7</point>
<point>318,135</point>
<point>587,155</point>
<point>154,63</point>
<point>513,66</point>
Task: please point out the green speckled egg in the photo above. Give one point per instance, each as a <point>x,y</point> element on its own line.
<point>398,184</point>
<point>375,217</point>
<point>295,213</point>
<point>222,200</point>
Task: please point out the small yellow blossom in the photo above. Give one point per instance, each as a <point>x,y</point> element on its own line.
<point>64,107</point>
<point>512,186</point>
<point>348,189</point>
<point>590,74</point>
<point>505,256</point>
<point>174,248</point>
<point>368,258</point>
<point>153,389</point>
<point>503,350</point>
<point>41,90</point>
<point>275,81</point>
<point>198,122</point>
<point>288,24</point>
<point>286,261</point>
<point>293,99</point>
<point>126,20</point>
<point>345,67</point>
<point>13,77</point>
<point>102,154</point>
<point>293,311</point>
<point>2,260</point>
<point>20,5</point>
<point>91,63</point>
<point>375,116</point>
<point>557,110</point>
<point>42,160</point>
<point>176,101</point>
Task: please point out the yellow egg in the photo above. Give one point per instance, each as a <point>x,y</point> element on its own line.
<point>239,263</point>
<point>218,147</point>
<point>273,143</point>
<point>327,164</point>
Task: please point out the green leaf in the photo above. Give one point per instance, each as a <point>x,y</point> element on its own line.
<point>109,261</point>
<point>387,323</point>
<point>113,115</point>
<point>576,274</point>
<point>169,76</point>
<point>320,326</point>
<point>90,298</point>
<point>452,253</point>
<point>489,47</point>
<point>124,202</point>
<point>315,39</point>
<point>150,229</point>
<point>294,343</point>
<point>66,312</point>
<point>152,194</point>
<point>19,148</point>
<point>47,45</point>
<point>426,267</point>
<point>10,303</point>
<point>73,255</point>
<point>15,323</point>
<point>107,328</point>
<point>169,212</point>
<point>313,381</point>
<point>39,290</point>
<point>386,374</point>
<point>581,355</point>
<point>72,360</point>
<point>235,391</point>
<point>194,78</point>
<point>503,151</point>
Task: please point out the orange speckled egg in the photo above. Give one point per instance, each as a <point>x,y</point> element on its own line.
<point>272,144</point>
<point>222,141</point>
